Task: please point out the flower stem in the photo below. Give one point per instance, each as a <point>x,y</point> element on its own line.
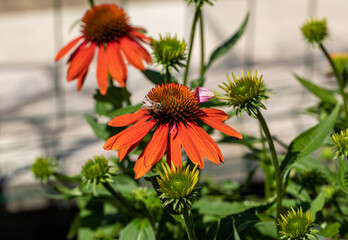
<point>192,36</point>
<point>266,166</point>
<point>190,229</point>
<point>91,3</point>
<point>121,203</point>
<point>275,164</point>
<point>168,76</point>
<point>201,26</point>
<point>339,80</point>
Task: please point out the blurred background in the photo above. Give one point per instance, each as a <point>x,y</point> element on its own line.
<point>42,115</point>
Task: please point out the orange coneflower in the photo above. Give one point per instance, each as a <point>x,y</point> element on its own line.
<point>106,27</point>
<point>171,111</point>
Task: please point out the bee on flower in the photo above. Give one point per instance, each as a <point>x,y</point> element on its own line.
<point>170,112</point>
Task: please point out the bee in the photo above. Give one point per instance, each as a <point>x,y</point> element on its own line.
<point>157,107</point>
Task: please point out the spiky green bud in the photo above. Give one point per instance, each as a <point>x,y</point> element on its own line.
<point>340,143</point>
<point>169,52</point>
<point>315,30</point>
<point>245,92</point>
<point>178,186</point>
<point>296,226</point>
<point>44,168</point>
<point>97,172</point>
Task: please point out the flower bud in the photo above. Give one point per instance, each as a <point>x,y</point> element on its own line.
<point>340,143</point>
<point>315,30</point>
<point>44,168</point>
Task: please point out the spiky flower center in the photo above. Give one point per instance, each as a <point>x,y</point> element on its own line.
<point>171,103</point>
<point>105,23</point>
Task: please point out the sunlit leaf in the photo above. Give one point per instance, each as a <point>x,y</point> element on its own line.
<point>138,229</point>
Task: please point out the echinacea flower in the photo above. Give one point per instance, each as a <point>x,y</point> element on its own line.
<point>170,112</point>
<point>106,28</point>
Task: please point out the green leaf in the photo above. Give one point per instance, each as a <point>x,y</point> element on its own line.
<point>154,76</point>
<point>67,192</point>
<point>310,140</point>
<point>99,129</point>
<point>331,230</point>
<point>222,49</point>
<point>138,229</point>
<point>325,95</point>
<point>124,110</point>
<point>342,175</point>
<point>317,204</point>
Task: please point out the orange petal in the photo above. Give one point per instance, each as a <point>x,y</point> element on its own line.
<point>116,65</point>
<point>140,169</point>
<point>221,127</point>
<point>102,70</point>
<point>141,36</point>
<point>81,61</point>
<point>141,51</point>
<point>131,135</point>
<point>127,119</point>
<point>192,150</point>
<point>81,79</point>
<point>124,151</point>
<point>67,48</point>
<point>215,114</point>
<point>174,149</point>
<point>129,50</point>
<point>213,153</point>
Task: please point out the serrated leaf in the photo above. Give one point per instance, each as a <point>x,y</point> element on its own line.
<point>323,94</point>
<point>138,229</point>
<point>331,230</point>
<point>310,140</point>
<point>226,46</point>
<point>342,174</point>
<point>317,204</point>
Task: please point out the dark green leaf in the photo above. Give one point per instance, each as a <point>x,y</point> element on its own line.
<point>99,129</point>
<point>310,140</point>
<point>138,229</point>
<point>331,230</point>
<point>342,175</point>
<point>222,49</point>
<point>325,95</point>
<point>317,204</point>
<point>154,76</point>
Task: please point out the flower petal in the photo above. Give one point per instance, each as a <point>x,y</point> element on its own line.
<point>141,36</point>
<point>81,79</point>
<point>127,119</point>
<point>141,51</point>
<point>203,94</point>
<point>130,135</point>
<point>140,168</point>
<point>102,70</point>
<point>221,127</point>
<point>174,148</point>
<point>116,65</point>
<point>215,114</point>
<point>129,49</point>
<point>82,60</point>
<point>124,151</point>
<point>192,150</point>
<point>67,48</point>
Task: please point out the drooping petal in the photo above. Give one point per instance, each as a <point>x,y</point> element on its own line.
<point>205,147</point>
<point>141,51</point>
<point>174,148</point>
<point>124,151</point>
<point>221,127</point>
<point>81,79</point>
<point>203,94</point>
<point>127,119</point>
<point>128,48</point>
<point>192,150</point>
<point>131,135</point>
<point>82,60</point>
<point>116,65</point>
<point>102,70</point>
<point>64,50</point>
<point>207,140</point>
<point>140,35</point>
<point>215,114</point>
<point>140,168</point>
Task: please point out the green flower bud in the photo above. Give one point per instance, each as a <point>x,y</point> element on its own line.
<point>178,186</point>
<point>315,30</point>
<point>340,143</point>
<point>169,52</point>
<point>296,225</point>
<point>245,93</point>
<point>311,178</point>
<point>44,168</point>
<point>97,172</point>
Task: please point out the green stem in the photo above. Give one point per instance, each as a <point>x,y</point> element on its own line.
<point>339,80</point>
<point>91,3</point>
<point>121,203</point>
<point>168,76</point>
<point>126,96</point>
<point>192,36</point>
<point>190,229</point>
<point>265,166</point>
<point>275,164</point>
<point>201,26</point>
